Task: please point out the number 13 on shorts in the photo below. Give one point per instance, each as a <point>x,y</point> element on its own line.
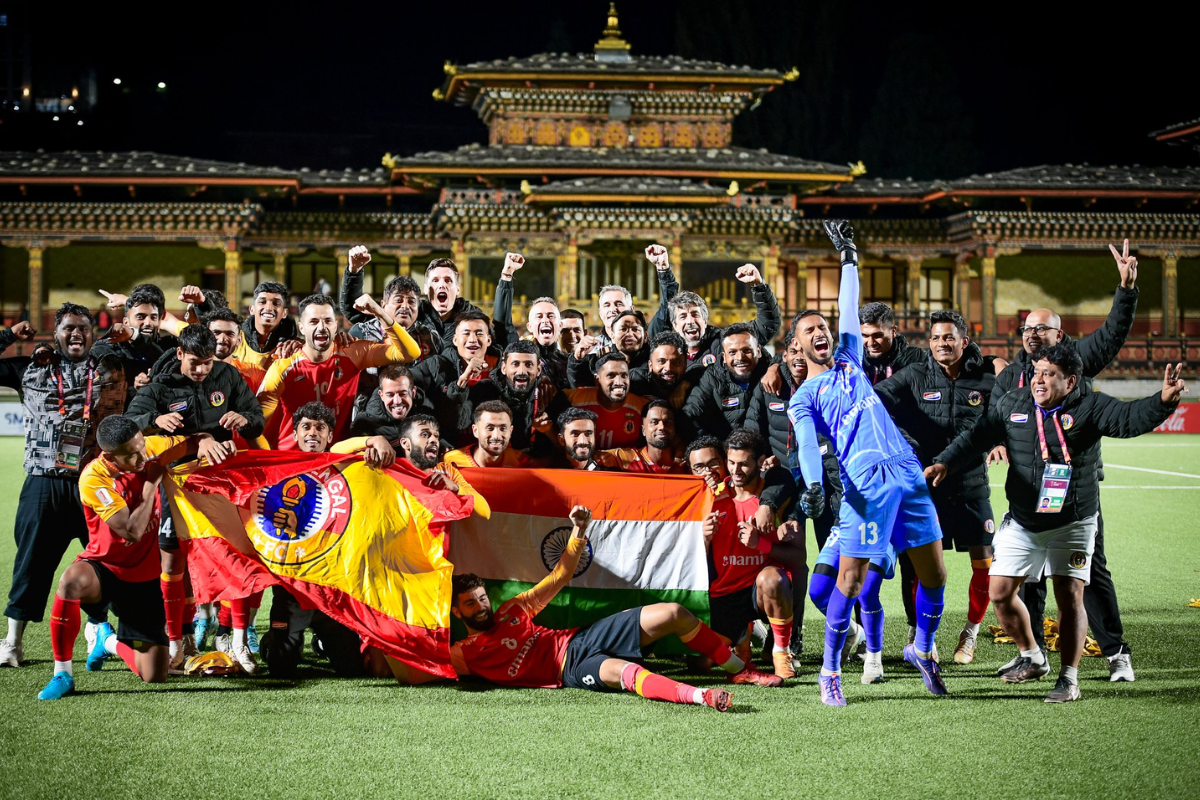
<point>868,533</point>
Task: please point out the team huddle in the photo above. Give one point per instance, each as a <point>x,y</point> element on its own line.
<point>885,447</point>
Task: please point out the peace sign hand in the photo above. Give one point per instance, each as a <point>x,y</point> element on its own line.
<point>1126,264</point>
<point>1173,386</point>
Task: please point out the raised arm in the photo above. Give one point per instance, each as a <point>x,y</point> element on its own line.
<point>535,599</point>
<point>1098,349</point>
<point>849,330</point>
<point>767,317</point>
<point>506,332</point>
<point>668,287</point>
<point>1125,420</point>
<point>399,347</point>
<point>352,284</point>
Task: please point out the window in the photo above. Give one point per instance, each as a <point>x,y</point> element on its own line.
<point>875,284</point>
<point>936,284</point>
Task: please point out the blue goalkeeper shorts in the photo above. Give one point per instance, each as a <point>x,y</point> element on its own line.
<point>887,507</point>
<point>831,555</point>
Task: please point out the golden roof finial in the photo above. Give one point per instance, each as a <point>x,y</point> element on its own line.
<point>439,95</point>
<point>792,74</point>
<point>526,188</point>
<point>857,170</point>
<point>449,68</point>
<point>389,160</point>
<point>733,188</point>
<point>612,47</point>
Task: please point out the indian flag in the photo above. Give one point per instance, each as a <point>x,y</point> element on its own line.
<point>645,543</point>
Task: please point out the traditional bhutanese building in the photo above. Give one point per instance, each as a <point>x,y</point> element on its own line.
<point>589,158</point>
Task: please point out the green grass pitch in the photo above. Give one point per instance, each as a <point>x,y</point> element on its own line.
<point>319,736</point>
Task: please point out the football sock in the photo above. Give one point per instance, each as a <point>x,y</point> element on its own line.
<point>1035,655</point>
<point>64,629</point>
<point>1070,674</point>
<point>978,598</point>
<point>820,587</point>
<point>872,610</point>
<point>929,615</point>
<point>16,631</point>
<point>224,616</point>
<point>651,686</point>
<point>128,655</point>
<point>705,641</point>
<point>837,625</point>
<point>239,613</point>
<point>782,629</point>
<point>173,593</point>
<point>189,616</point>
<point>254,601</point>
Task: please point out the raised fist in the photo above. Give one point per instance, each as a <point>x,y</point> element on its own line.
<point>580,516</point>
<point>512,263</point>
<point>657,255</point>
<point>842,236</point>
<point>23,331</point>
<point>748,273</point>
<point>192,295</point>
<point>359,257</point>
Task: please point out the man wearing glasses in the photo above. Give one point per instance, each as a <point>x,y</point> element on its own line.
<point>1043,329</point>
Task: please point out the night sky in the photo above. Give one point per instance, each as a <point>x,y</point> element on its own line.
<point>913,89</point>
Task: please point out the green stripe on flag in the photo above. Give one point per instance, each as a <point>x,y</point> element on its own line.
<point>574,608</point>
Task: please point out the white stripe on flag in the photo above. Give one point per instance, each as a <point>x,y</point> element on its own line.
<point>626,554</point>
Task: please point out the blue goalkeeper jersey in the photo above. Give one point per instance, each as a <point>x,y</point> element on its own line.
<point>841,403</point>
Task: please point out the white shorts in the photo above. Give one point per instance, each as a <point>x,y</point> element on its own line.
<point>1021,553</point>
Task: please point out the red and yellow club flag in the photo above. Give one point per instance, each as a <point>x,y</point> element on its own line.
<point>360,544</point>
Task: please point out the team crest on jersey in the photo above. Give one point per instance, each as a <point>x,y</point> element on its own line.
<point>1078,559</point>
<point>974,398</point>
<point>555,544</point>
<point>731,402</point>
<point>775,406</point>
<point>932,396</point>
<point>217,399</point>
<point>629,426</point>
<point>989,526</point>
<point>337,371</point>
<point>708,360</point>
<point>1020,419</point>
<point>301,518</point>
<point>1068,422</point>
<point>180,406</point>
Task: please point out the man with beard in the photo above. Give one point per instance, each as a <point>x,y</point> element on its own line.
<point>751,567</point>
<point>658,457</point>
<point>886,502</point>
<point>442,303</point>
<point>138,342</point>
<point>617,411</point>
<point>470,360</point>
<point>394,399</point>
<point>401,301</point>
<point>610,302</point>
<point>629,338</point>
<point>571,331</point>
<point>1043,329</point>
<point>534,401</point>
<point>323,372</point>
<point>420,443</point>
<point>722,399</point>
<point>577,441</point>
<point>687,313</point>
<point>933,403</point>
<point>543,324</point>
<point>508,648</point>
<point>492,427</point>
<point>885,352</point>
<point>67,389</point>
<point>226,328</point>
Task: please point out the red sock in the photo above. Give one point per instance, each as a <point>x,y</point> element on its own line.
<point>977,598</point>
<point>656,687</point>
<point>129,656</point>
<point>189,615</point>
<point>782,628</point>
<point>239,611</point>
<point>705,641</point>
<point>64,628</point>
<point>224,615</point>
<point>173,593</point>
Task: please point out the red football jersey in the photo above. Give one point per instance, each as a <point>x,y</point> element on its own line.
<point>517,652</point>
<point>737,565</point>
<point>620,427</point>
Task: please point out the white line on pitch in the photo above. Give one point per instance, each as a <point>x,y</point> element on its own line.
<point>1155,471</point>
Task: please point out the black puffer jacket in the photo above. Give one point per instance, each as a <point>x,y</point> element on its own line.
<point>285,330</point>
<point>719,404</point>
<point>427,316</point>
<point>768,417</point>
<point>1085,417</point>
<point>545,398</point>
<point>898,356</point>
<point>374,419</point>
<point>201,404</point>
<point>932,410</point>
<point>767,319</point>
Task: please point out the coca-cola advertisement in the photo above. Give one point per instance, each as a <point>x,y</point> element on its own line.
<point>1184,420</point>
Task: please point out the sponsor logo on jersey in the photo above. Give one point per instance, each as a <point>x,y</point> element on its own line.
<point>932,396</point>
<point>974,398</point>
<point>775,406</point>
<point>180,406</point>
<point>823,389</point>
<point>743,561</point>
<point>731,402</point>
<point>299,519</point>
<point>555,544</point>
<point>1068,422</point>
<point>1020,419</point>
<point>217,399</point>
<point>1078,559</point>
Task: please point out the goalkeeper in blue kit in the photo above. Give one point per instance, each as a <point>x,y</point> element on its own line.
<point>886,500</point>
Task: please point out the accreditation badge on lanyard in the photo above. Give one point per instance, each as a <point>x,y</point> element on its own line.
<point>1056,478</point>
<point>72,434</point>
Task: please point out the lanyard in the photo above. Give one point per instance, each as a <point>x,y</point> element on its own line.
<point>1021,381</point>
<point>887,374</point>
<point>1062,440</point>
<point>62,395</point>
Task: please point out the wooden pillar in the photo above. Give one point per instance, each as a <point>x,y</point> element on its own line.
<point>35,284</point>
<point>912,285</point>
<point>770,270</point>
<point>280,266</point>
<point>233,274</point>
<point>567,271</point>
<point>801,290</point>
<point>1170,294</point>
<point>989,295</point>
<point>458,254</point>
<point>962,286</point>
<point>404,263</point>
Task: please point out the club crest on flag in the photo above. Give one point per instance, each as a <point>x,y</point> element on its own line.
<point>299,519</point>
<point>555,543</point>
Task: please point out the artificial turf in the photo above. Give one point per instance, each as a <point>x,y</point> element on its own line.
<point>320,736</point>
